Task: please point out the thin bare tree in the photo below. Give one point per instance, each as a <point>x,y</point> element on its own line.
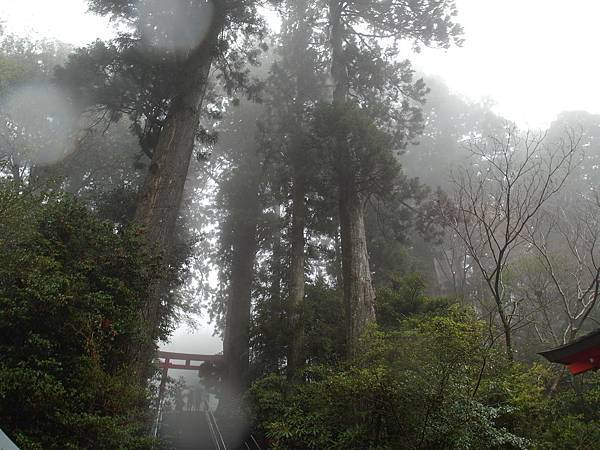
<point>567,240</point>
<point>497,196</point>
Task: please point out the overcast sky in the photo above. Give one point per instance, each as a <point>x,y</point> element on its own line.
<point>533,58</point>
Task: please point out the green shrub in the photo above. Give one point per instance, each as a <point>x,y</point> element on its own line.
<point>423,386</point>
<point>71,291</point>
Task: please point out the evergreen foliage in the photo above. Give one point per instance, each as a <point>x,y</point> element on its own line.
<point>71,290</point>
<point>419,386</point>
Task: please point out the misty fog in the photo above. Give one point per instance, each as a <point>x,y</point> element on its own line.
<point>299,224</point>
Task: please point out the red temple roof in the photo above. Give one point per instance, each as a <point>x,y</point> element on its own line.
<point>579,356</point>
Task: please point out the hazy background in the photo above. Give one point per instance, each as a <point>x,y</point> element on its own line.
<point>531,59</point>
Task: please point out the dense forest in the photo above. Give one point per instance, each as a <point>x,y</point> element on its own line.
<point>383,258</point>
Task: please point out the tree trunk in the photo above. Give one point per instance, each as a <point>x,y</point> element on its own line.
<point>15,170</point>
<point>506,329</point>
<point>160,197</point>
<point>359,296</point>
<point>295,358</point>
<point>236,341</point>
<point>301,40</point>
<point>338,67</point>
<point>498,291</point>
<point>337,262</point>
<point>277,256</point>
<point>237,322</point>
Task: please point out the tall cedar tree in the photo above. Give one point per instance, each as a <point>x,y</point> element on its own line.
<point>360,69</point>
<point>239,200</point>
<point>163,89</point>
<point>293,88</point>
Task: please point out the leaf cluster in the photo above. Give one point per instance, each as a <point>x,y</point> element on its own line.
<point>71,293</point>
<point>416,387</point>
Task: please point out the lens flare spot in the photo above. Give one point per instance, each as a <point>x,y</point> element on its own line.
<point>39,124</point>
<point>176,25</point>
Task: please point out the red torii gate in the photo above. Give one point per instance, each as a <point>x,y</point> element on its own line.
<point>165,358</point>
<point>165,362</point>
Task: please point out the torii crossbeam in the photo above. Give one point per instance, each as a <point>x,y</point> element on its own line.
<point>165,360</point>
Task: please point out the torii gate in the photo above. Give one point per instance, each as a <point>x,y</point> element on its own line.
<point>165,362</point>
<point>165,358</point>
